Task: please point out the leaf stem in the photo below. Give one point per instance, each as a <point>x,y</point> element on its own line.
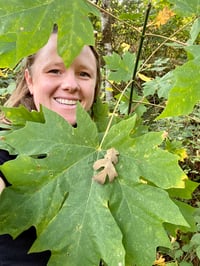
<point>112,116</point>
<point>138,56</point>
<point>135,101</point>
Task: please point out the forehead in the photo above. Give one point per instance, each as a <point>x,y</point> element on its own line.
<point>48,54</point>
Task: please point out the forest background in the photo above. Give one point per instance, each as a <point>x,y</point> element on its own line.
<point>162,72</point>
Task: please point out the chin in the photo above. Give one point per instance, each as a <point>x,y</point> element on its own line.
<point>70,120</point>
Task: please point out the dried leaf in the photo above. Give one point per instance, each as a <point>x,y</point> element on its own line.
<point>110,158</point>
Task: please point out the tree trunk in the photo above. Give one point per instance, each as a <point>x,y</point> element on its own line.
<point>106,41</point>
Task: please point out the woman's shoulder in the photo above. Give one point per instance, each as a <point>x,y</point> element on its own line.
<point>5,156</point>
<point>15,252</point>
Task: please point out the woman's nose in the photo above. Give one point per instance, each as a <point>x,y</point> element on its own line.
<point>69,81</point>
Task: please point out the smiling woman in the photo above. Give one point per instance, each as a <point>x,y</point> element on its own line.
<point>59,88</point>
<point>45,80</point>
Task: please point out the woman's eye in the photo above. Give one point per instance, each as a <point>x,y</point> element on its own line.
<point>84,74</point>
<point>54,71</point>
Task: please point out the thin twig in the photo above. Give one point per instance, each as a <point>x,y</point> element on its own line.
<point>166,40</point>
<point>135,101</point>
<point>195,119</point>
<point>145,103</point>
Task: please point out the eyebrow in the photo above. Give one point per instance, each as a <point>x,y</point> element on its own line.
<point>58,63</point>
<point>87,66</point>
<point>52,63</point>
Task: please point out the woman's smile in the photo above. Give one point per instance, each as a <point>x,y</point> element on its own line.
<point>66,101</point>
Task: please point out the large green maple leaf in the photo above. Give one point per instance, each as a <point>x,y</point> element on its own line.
<point>78,219</point>
<point>185,92</point>
<point>26,26</point>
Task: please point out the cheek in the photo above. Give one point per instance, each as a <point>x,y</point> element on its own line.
<point>89,96</point>
<point>41,91</point>
<point>42,87</point>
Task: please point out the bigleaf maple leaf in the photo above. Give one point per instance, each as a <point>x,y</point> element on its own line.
<point>21,35</point>
<point>78,219</point>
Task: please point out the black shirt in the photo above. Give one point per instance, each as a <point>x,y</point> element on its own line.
<point>14,252</point>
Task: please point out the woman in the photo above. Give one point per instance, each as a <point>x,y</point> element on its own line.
<point>45,80</point>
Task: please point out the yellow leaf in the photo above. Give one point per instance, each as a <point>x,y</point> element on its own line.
<point>143,77</point>
<point>109,89</point>
<point>182,153</point>
<point>160,262</point>
<point>2,74</point>
<point>125,46</point>
<point>163,16</point>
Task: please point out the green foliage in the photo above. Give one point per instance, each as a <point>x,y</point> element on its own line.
<point>20,35</point>
<point>194,32</point>
<point>160,86</point>
<point>195,241</point>
<point>195,244</point>
<point>185,93</point>
<point>186,7</point>
<point>52,189</point>
<point>121,68</point>
<point>185,249</point>
<point>7,83</point>
<point>183,135</point>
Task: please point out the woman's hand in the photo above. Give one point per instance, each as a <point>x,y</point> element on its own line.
<point>2,185</point>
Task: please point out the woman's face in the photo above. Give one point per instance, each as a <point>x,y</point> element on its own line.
<point>59,88</point>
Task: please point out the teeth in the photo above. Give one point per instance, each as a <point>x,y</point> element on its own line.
<point>65,101</point>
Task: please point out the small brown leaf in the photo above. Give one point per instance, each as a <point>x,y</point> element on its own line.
<point>110,158</point>
<point>112,155</point>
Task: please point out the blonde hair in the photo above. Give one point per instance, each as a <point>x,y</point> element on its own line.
<point>21,95</point>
